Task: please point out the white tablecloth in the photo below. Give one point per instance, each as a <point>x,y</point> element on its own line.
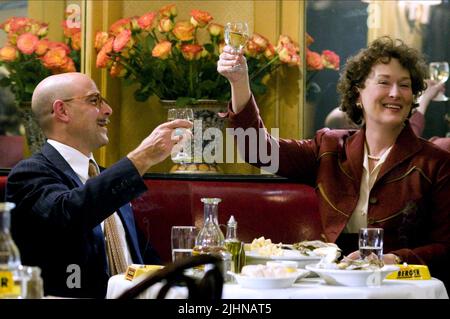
<point>315,288</point>
<point>308,288</point>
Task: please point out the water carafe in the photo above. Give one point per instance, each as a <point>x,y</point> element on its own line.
<point>210,239</point>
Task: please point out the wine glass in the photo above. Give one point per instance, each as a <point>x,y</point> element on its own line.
<point>439,73</point>
<point>181,152</point>
<point>236,36</point>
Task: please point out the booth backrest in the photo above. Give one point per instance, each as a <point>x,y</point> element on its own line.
<point>11,150</point>
<point>282,211</point>
<point>2,188</point>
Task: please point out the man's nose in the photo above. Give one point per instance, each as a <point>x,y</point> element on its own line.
<point>106,108</point>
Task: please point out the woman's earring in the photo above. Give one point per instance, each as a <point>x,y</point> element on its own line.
<point>359,105</point>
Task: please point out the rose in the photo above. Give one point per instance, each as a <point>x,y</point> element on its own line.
<point>56,59</point>
<point>76,41</point>
<point>8,54</point>
<point>103,56</point>
<point>100,39</point>
<point>269,52</point>
<point>27,42</point>
<point>122,40</point>
<point>42,46</point>
<point>330,59</point>
<point>313,60</point>
<point>288,51</point>
<point>120,25</point>
<point>145,22</point>
<point>165,25</point>
<point>200,18</point>
<point>162,50</point>
<point>191,51</point>
<point>260,41</point>
<point>184,31</point>
<point>169,11</point>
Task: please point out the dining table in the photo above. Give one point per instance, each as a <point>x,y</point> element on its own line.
<point>306,288</point>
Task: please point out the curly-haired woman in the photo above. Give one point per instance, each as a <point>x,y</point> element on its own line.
<point>381,175</point>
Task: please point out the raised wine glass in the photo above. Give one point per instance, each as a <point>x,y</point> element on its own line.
<point>181,152</point>
<point>439,73</point>
<point>236,36</point>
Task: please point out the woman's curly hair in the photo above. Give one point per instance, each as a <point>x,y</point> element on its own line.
<point>358,68</point>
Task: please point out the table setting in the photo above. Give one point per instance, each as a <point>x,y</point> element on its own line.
<point>306,270</point>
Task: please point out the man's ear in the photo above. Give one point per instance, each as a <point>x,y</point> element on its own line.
<point>59,110</point>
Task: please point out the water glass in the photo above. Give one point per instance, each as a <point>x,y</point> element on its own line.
<point>439,72</point>
<point>182,152</point>
<point>371,242</point>
<point>183,241</point>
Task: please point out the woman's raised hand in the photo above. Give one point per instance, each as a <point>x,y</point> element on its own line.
<point>228,61</point>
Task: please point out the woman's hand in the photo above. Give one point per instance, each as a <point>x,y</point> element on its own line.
<point>232,65</point>
<point>388,259</point>
<point>432,90</point>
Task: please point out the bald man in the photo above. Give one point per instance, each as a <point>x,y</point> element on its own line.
<point>58,222</point>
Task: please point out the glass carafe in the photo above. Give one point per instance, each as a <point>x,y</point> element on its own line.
<point>10,265</point>
<point>210,239</point>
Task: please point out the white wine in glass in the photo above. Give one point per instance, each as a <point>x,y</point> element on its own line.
<point>439,72</point>
<point>236,34</point>
<point>181,153</point>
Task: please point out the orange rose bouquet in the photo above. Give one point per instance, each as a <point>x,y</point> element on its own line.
<point>316,62</point>
<point>29,57</point>
<point>166,58</point>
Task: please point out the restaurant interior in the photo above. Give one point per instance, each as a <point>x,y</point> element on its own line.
<point>294,100</point>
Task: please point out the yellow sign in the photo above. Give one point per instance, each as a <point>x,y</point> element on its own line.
<point>411,272</point>
<point>6,283</point>
<point>136,270</point>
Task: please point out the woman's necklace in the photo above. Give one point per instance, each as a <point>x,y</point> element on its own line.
<point>375,158</point>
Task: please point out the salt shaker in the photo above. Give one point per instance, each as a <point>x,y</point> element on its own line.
<point>35,284</point>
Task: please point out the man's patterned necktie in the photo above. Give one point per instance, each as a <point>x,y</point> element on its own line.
<point>114,249</point>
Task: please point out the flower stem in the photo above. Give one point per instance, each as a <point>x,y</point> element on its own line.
<point>191,84</point>
<point>254,75</point>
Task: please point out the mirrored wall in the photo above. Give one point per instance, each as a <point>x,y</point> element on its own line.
<point>345,27</point>
<point>11,134</point>
<point>32,36</point>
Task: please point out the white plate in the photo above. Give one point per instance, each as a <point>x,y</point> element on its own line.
<point>267,282</point>
<point>353,277</point>
<point>253,258</point>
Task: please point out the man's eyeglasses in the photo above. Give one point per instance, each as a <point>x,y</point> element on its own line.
<point>95,99</point>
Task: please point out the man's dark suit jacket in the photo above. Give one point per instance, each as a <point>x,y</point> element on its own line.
<point>56,222</point>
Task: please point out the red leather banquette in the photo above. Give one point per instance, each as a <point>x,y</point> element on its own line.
<point>266,206</point>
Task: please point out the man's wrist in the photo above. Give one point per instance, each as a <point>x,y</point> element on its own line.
<point>139,161</point>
